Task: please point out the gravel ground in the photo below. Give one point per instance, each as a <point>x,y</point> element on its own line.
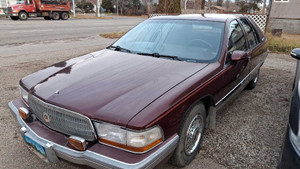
<point>249,131</point>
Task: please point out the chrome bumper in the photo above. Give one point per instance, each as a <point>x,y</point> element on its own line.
<point>12,14</point>
<point>55,152</point>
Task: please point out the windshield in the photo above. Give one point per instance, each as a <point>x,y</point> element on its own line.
<point>20,2</point>
<point>188,40</point>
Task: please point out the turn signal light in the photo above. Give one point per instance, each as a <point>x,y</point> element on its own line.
<point>77,143</point>
<point>130,148</point>
<point>24,113</point>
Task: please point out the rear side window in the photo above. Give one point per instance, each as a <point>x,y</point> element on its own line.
<point>237,39</point>
<point>252,37</point>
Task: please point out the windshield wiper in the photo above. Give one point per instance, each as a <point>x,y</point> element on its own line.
<point>119,48</point>
<point>159,55</point>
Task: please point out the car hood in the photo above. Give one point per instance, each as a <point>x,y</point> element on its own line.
<point>108,85</point>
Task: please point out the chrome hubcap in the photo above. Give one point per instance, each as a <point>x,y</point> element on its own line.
<point>193,134</point>
<point>255,80</point>
<point>23,16</point>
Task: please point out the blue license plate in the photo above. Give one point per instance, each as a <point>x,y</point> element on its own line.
<point>35,147</point>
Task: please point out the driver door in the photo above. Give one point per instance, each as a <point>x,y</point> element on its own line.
<point>29,6</point>
<point>236,71</point>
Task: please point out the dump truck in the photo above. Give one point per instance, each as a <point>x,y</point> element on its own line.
<point>49,9</point>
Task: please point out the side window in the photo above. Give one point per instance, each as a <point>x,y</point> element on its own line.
<point>252,38</point>
<point>236,37</point>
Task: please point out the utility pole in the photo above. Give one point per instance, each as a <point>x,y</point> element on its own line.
<point>74,14</point>
<point>264,7</point>
<point>117,7</point>
<point>98,8</point>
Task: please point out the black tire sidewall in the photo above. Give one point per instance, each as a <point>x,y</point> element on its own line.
<point>62,16</point>
<point>180,158</point>
<point>252,84</point>
<point>23,19</point>
<point>55,16</point>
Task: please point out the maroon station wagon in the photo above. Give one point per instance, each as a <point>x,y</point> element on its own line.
<point>146,98</point>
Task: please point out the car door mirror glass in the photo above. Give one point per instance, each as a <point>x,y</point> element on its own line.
<point>296,53</point>
<point>238,55</point>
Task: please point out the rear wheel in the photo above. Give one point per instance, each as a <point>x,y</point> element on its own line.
<point>47,18</point>
<point>64,16</point>
<point>14,18</point>
<point>190,136</point>
<point>23,16</point>
<point>55,16</point>
<point>252,84</point>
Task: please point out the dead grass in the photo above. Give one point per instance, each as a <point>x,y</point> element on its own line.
<point>91,17</point>
<point>113,35</point>
<point>283,44</point>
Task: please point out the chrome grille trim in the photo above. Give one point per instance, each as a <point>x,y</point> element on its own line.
<point>9,9</point>
<point>62,120</point>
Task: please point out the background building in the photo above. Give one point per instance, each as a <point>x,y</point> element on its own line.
<point>285,15</point>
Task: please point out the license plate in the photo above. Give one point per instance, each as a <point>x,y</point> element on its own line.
<point>36,148</point>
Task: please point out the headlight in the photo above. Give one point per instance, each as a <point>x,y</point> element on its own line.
<point>24,94</point>
<point>133,141</point>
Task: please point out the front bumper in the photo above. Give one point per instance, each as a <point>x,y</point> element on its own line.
<point>12,14</point>
<point>95,156</point>
<point>290,156</point>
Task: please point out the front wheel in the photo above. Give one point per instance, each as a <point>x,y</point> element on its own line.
<point>64,16</point>
<point>14,18</point>
<point>23,16</point>
<point>190,136</point>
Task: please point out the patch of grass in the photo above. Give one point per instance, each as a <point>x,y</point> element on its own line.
<point>283,44</point>
<point>113,35</point>
<point>90,17</point>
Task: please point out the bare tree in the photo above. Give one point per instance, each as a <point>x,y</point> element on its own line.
<point>227,4</point>
<point>202,4</point>
<point>219,2</point>
<point>145,3</point>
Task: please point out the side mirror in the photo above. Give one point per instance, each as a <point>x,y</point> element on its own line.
<point>238,55</point>
<point>296,53</point>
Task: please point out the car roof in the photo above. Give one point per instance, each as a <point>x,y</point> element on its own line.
<point>205,17</point>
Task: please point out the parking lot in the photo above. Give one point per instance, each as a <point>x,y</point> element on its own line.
<point>249,131</point>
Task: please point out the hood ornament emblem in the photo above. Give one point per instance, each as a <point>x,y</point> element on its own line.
<point>46,117</point>
<point>56,92</point>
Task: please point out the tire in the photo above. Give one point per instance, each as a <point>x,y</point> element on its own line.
<point>55,16</point>
<point>47,18</point>
<point>15,18</point>
<point>23,16</point>
<point>190,136</point>
<point>64,16</point>
<point>252,84</point>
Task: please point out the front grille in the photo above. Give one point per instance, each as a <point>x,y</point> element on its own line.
<point>62,120</point>
<point>9,9</point>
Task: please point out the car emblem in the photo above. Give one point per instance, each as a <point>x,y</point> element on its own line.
<point>46,117</point>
